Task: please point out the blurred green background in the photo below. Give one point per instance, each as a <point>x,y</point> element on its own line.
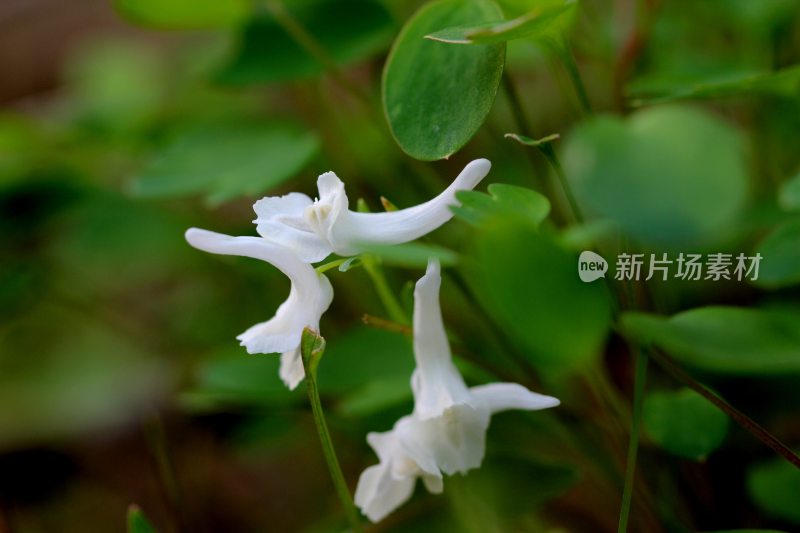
<point>124,123</point>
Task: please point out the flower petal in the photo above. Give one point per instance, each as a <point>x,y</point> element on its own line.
<point>291,370</point>
<point>309,296</point>
<point>352,230</point>
<point>410,452</point>
<point>505,396</point>
<point>281,219</point>
<point>434,484</point>
<point>322,216</point>
<point>379,493</point>
<point>456,440</point>
<point>436,382</point>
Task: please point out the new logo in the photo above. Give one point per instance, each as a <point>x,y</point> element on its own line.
<point>591,266</point>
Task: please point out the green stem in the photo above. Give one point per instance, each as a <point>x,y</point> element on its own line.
<point>156,437</point>
<point>739,417</point>
<point>564,53</point>
<point>552,158</point>
<point>337,263</point>
<point>310,362</point>
<point>385,293</point>
<point>521,122</point>
<point>633,443</point>
<point>546,149</point>
<point>309,43</point>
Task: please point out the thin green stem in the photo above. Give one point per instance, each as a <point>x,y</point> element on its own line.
<point>546,149</point>
<point>517,111</point>
<point>633,443</point>
<point>385,292</point>
<point>310,362</point>
<point>521,122</point>
<point>753,427</point>
<point>337,263</point>
<point>564,53</point>
<point>552,158</point>
<point>155,434</point>
<point>309,43</point>
<point>330,266</point>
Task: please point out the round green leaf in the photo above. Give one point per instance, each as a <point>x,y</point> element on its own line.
<point>789,196</point>
<point>183,14</point>
<point>364,355</point>
<point>225,161</point>
<point>239,379</point>
<point>529,284</point>
<point>717,86</point>
<point>669,175</point>
<point>774,486</point>
<point>504,200</point>
<point>117,85</point>
<point>347,31</point>
<point>436,95</point>
<point>725,339</point>
<point>546,21</point>
<point>684,423</point>
<point>780,252</point>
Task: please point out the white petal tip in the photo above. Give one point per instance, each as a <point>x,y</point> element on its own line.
<point>203,239</point>
<point>478,168</point>
<point>328,181</point>
<point>291,384</point>
<point>472,174</point>
<point>541,402</point>
<point>480,165</point>
<point>433,268</point>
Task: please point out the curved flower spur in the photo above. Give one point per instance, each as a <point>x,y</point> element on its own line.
<point>446,433</point>
<point>296,231</point>
<point>309,297</point>
<point>315,229</point>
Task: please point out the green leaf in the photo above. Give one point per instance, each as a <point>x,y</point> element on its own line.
<point>530,286</point>
<point>785,81</point>
<point>363,356</point>
<point>51,390</point>
<point>116,84</point>
<point>728,340</point>
<point>184,14</point>
<point>530,141</point>
<point>774,485</point>
<point>780,252</point>
<point>412,254</point>
<point>502,201</point>
<point>376,396</point>
<point>669,175</point>
<point>236,378</point>
<point>225,161</point>
<point>137,521</point>
<point>436,96</point>
<point>546,21</point>
<point>347,30</point>
<point>789,195</point>
<point>684,423</point>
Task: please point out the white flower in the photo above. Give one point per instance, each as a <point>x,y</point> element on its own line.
<point>385,486</point>
<point>446,433</point>
<point>436,383</point>
<point>315,229</point>
<point>309,297</point>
